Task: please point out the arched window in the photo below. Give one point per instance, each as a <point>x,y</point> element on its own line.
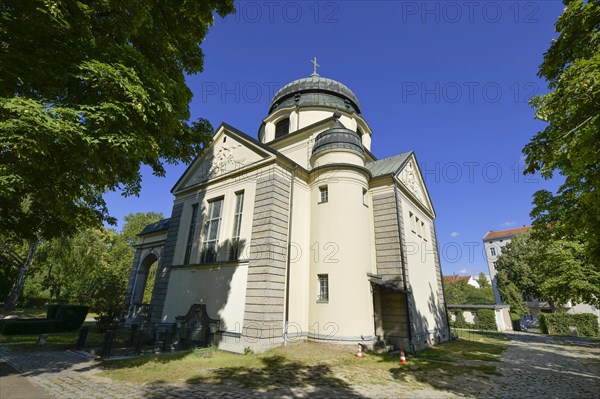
<point>282,128</point>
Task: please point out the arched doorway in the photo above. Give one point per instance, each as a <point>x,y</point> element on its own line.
<point>144,285</point>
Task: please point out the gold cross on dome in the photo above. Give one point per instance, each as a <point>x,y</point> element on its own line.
<point>315,65</point>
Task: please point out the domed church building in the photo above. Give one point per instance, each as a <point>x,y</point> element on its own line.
<point>301,234</point>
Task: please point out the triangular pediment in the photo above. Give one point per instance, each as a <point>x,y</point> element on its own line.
<point>412,180</point>
<point>229,153</point>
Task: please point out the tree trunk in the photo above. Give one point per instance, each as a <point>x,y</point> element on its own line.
<point>552,305</point>
<point>17,287</point>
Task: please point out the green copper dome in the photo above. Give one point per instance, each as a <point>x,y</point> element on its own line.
<point>338,137</point>
<point>315,91</point>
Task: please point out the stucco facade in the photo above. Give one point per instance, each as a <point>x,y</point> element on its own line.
<point>301,234</point>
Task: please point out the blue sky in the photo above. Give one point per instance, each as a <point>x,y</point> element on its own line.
<point>449,80</point>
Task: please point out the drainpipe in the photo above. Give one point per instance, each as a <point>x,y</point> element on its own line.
<point>288,261</point>
<point>404,282</point>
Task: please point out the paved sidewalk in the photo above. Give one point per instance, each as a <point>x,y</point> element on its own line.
<point>15,386</point>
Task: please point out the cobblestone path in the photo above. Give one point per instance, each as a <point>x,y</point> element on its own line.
<point>538,366</point>
<point>532,366</point>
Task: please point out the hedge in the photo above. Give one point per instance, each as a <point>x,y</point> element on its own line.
<point>487,320</point>
<point>559,323</point>
<point>59,318</point>
<point>459,321</point>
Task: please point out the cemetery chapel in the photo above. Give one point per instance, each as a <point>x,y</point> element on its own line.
<point>300,233</point>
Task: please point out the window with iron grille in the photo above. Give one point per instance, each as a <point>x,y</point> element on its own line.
<point>323,194</point>
<point>323,287</point>
<point>210,236</point>
<point>237,226</point>
<point>192,231</point>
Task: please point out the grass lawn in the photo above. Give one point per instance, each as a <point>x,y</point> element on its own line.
<point>307,363</point>
<point>25,312</point>
<point>35,313</point>
<point>56,341</point>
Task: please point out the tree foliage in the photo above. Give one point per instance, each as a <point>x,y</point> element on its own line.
<point>460,292</point>
<point>570,143</point>
<point>556,270</point>
<point>89,92</point>
<point>482,280</point>
<point>91,268</point>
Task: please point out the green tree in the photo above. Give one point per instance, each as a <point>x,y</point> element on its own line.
<point>482,280</point>
<point>90,91</point>
<point>517,275</point>
<point>480,296</point>
<point>556,270</point>
<point>460,292</point>
<point>570,142</point>
<point>135,223</point>
<point>12,256</point>
<point>454,292</point>
<point>568,275</point>
<point>92,267</point>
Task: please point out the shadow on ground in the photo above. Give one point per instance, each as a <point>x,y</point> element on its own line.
<point>280,373</point>
<point>553,365</point>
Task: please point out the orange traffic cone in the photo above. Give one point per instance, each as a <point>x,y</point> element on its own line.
<point>402,357</point>
<point>359,354</point>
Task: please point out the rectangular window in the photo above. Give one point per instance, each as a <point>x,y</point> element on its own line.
<point>282,128</point>
<point>418,226</point>
<point>364,192</point>
<point>323,287</point>
<point>423,231</point>
<point>323,194</point>
<point>237,226</point>
<point>493,251</point>
<point>412,222</point>
<point>192,231</point>
<point>210,236</point>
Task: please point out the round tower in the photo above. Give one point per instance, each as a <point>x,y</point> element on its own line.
<point>340,237</point>
<point>317,123</point>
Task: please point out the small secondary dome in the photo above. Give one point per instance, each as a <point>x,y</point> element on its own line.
<point>338,137</point>
<point>315,90</point>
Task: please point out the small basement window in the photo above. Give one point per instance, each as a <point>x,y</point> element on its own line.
<point>323,287</point>
<point>282,128</point>
<point>323,194</point>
